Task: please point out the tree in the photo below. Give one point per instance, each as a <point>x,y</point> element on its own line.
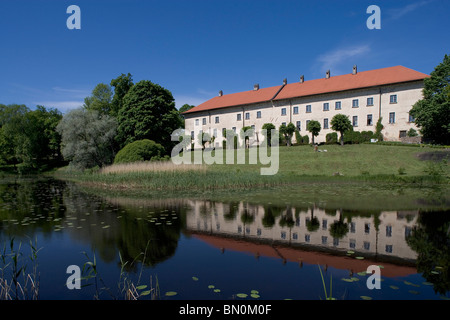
<point>87,138</point>
<point>268,134</point>
<point>100,100</point>
<point>341,123</point>
<point>246,133</point>
<point>203,138</point>
<point>432,113</point>
<point>313,127</point>
<point>148,112</point>
<point>186,107</point>
<point>122,84</point>
<point>287,131</point>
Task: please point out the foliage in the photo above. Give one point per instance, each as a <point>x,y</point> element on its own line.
<point>432,113</point>
<point>185,107</point>
<point>87,138</point>
<point>203,138</point>
<point>141,150</point>
<point>331,138</point>
<point>268,134</point>
<point>29,137</point>
<point>314,127</point>
<point>246,133</point>
<point>100,100</point>
<point>122,84</point>
<point>148,112</point>
<point>412,133</point>
<point>341,123</point>
<point>287,131</point>
<point>378,128</point>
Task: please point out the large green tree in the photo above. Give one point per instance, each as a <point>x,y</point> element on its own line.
<point>87,138</point>
<point>341,123</point>
<point>122,84</point>
<point>432,113</point>
<point>287,131</point>
<point>314,127</point>
<point>100,100</point>
<point>148,112</point>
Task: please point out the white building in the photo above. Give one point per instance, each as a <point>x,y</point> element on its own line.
<point>364,97</point>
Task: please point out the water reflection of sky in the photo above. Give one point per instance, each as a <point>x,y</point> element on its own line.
<point>234,246</point>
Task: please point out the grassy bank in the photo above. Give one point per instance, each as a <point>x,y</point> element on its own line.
<point>299,164</point>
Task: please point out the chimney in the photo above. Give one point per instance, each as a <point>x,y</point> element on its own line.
<point>285,81</point>
<point>302,79</point>
<point>355,69</point>
<point>256,87</point>
<point>328,74</point>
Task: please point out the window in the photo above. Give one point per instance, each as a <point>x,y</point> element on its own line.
<point>283,123</point>
<point>307,238</point>
<point>324,224</point>
<point>366,245</point>
<point>352,243</point>
<point>295,110</point>
<point>326,106</point>
<point>299,125</point>
<point>355,121</point>
<point>258,114</point>
<point>238,117</point>
<point>337,105</point>
<point>411,118</point>
<point>307,121</point>
<point>192,135</point>
<point>308,108</point>
<point>388,231</point>
<point>355,103</point>
<point>283,111</point>
<point>352,227</point>
<point>247,115</point>
<point>204,121</point>
<point>196,122</point>
<point>392,117</point>
<point>217,119</point>
<point>325,123</point>
<point>370,101</point>
<point>215,133</point>
<point>234,129</point>
<point>389,248</point>
<point>402,134</point>
<point>369,120</point>
<point>393,98</point>
<point>367,228</point>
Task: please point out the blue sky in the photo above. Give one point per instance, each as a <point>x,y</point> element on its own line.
<point>196,48</point>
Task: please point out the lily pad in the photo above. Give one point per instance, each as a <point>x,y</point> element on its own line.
<point>413,291</point>
<point>211,286</point>
<point>254,291</point>
<point>171,293</point>
<point>411,284</point>
<point>394,287</point>
<point>347,279</point>
<point>242,295</point>
<point>426,283</point>
<point>217,290</point>
<point>254,295</point>
<point>350,252</point>
<point>359,258</point>
<point>366,298</point>
<point>195,278</point>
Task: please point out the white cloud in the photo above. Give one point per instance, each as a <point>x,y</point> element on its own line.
<point>335,59</point>
<point>397,13</point>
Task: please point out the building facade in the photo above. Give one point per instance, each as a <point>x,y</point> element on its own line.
<point>365,97</point>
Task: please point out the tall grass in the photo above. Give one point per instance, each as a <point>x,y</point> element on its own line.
<point>16,283</point>
<point>151,166</point>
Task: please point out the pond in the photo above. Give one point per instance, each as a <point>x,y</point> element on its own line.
<point>268,245</point>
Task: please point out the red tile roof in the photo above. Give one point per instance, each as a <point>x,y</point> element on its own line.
<point>350,81</point>
<point>236,99</point>
<point>364,79</point>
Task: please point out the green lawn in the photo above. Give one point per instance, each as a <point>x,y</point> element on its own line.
<point>298,164</point>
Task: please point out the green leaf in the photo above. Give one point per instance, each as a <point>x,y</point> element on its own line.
<point>254,291</point>
<point>394,287</point>
<point>359,258</point>
<point>242,295</point>
<point>366,298</point>
<point>195,278</point>
<point>141,287</point>
<point>171,293</point>
<point>145,293</point>
<point>254,295</point>
<point>216,290</point>
<point>211,286</point>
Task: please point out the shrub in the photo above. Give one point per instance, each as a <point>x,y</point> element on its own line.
<point>331,138</point>
<point>141,150</point>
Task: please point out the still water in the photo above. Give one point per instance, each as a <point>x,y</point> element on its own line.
<point>199,248</point>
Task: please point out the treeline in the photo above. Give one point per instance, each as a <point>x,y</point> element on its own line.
<point>28,138</point>
<point>115,115</point>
